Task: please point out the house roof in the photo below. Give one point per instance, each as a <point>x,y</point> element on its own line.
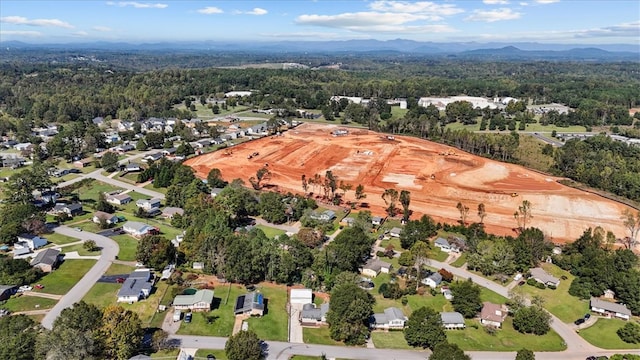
<point>306,294</point>
<point>136,226</point>
<point>22,251</point>
<point>103,215</point>
<point>451,318</point>
<point>38,242</point>
<point>442,242</point>
<point>120,197</point>
<point>46,257</point>
<point>205,296</point>
<point>610,306</point>
<point>395,230</point>
<point>492,312</point>
<point>74,206</point>
<point>170,211</point>
<point>436,277</point>
<point>376,265</point>
<point>310,311</point>
<point>389,314</point>
<point>133,286</point>
<point>541,275</point>
<point>140,274</point>
<point>248,302</point>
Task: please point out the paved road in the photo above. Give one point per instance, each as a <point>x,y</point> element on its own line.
<point>121,184</point>
<point>286,228</point>
<point>109,251</point>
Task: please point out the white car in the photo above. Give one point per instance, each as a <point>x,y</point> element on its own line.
<point>24,288</point>
<point>517,277</point>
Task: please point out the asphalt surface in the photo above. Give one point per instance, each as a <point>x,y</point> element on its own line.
<point>109,251</point>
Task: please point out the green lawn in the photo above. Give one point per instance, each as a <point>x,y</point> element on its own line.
<point>128,247</point>
<point>270,232</point>
<point>61,280</point>
<point>219,354</point>
<point>118,269</point>
<point>566,307</point>
<point>488,295</point>
<point>169,354</point>
<point>221,316</point>
<point>305,357</point>
<point>80,249</point>
<point>603,334</point>
<point>460,261</point>
<point>392,241</point>
<point>437,254</point>
<point>318,335</point>
<point>472,339</point>
<point>102,294</point>
<point>27,303</point>
<point>59,239</point>
<point>530,127</point>
<point>158,189</point>
<point>274,325</point>
<point>91,191</point>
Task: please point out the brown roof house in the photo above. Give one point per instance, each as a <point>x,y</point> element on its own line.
<point>492,314</point>
<point>46,260</point>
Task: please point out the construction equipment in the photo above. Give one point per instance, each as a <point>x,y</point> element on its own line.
<point>514,194</point>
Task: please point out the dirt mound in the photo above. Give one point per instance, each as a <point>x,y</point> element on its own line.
<point>437,176</point>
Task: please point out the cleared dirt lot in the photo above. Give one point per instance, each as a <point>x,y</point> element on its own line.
<point>436,181</point>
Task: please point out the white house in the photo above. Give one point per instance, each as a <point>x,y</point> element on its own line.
<point>492,314</point>
<point>377,220</point>
<point>395,232</point>
<point>148,204</point>
<point>443,244</point>
<point>170,212</point>
<point>137,229</point>
<point>200,301</point>
<point>100,215</point>
<point>373,267</point>
<point>541,276</point>
<point>118,199</point>
<point>326,215</point>
<point>391,318</point>
<point>30,241</point>
<point>610,308</point>
<point>452,320</point>
<point>137,286</point>
<point>432,280</point>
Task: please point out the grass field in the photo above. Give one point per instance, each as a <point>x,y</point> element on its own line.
<point>319,335</point>
<point>529,152</point>
<point>270,232</point>
<point>472,339</point>
<point>219,321</point>
<point>566,307</point>
<point>274,325</point>
<point>128,247</point>
<point>80,249</point>
<point>219,354</point>
<point>27,303</point>
<point>118,269</point>
<point>61,280</point>
<point>167,354</point>
<point>530,127</point>
<point>59,239</point>
<point>204,113</point>
<point>603,334</point>
<point>91,191</point>
<point>102,294</point>
<point>461,260</point>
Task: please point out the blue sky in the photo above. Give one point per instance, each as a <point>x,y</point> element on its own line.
<point>546,21</point>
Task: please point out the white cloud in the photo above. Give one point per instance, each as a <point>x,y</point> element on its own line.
<point>210,10</point>
<point>20,20</point>
<point>359,19</point>
<point>138,5</point>
<point>547,1</point>
<point>80,33</point>
<point>495,2</point>
<point>524,4</point>
<point>20,33</point>
<point>102,28</point>
<point>631,30</point>
<point>257,11</point>
<point>437,11</point>
<point>493,15</point>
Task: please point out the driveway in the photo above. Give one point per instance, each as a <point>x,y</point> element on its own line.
<point>295,328</point>
<point>109,251</point>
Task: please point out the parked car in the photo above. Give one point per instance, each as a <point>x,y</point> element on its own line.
<point>587,316</point>
<point>120,280</point>
<point>521,283</point>
<point>24,288</point>
<point>77,229</point>
<point>579,321</point>
<point>39,286</point>
<point>187,317</point>
<point>517,277</point>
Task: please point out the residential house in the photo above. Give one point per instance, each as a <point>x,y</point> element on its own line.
<point>23,146</point>
<point>83,163</point>
<point>148,204</point>
<point>20,251</point>
<point>260,129</point>
<point>348,221</point>
<point>30,241</point>
<point>443,244</point>
<point>13,162</point>
<point>153,157</point>
<point>216,191</point>
<point>373,267</point>
<point>609,294</point>
<point>327,215</point>
<point>432,280</point>
<point>493,314</point>
<point>136,287</point>
<point>118,199</point>
<point>377,220</point>
<point>124,148</point>
<point>98,121</point>
<point>391,318</point>
<point>251,303</point>
<point>69,209</point>
<point>170,212</point>
<point>457,244</point>
<point>131,167</point>
<point>452,320</point>
<point>311,315</point>
<point>395,232</point>
<point>46,260</point>
<point>138,229</point>
<point>610,309</point>
<point>6,291</point>
<point>301,296</point>
<point>170,151</point>
<point>541,276</point>
<point>201,144</point>
<point>200,301</point>
<point>47,196</point>
<point>99,216</point>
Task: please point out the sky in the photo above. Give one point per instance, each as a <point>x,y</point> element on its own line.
<point>544,21</point>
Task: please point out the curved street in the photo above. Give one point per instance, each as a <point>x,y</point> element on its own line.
<point>110,250</point>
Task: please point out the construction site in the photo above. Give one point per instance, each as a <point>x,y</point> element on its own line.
<point>437,176</point>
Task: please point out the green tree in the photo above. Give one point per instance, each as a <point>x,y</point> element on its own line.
<point>417,230</point>
<point>272,208</point>
<point>390,197</point>
<point>244,345</point>
<point>419,252</point>
<point>109,161</point>
<point>141,145</point>
<point>532,320</point>
<point>90,245</point>
<point>348,316</point>
<point>630,333</point>
<point>103,205</point>
<point>18,337</point>
<point>464,212</point>
<point>155,251</point>
<point>349,249</point>
<point>121,331</point>
<point>466,298</point>
<point>215,180</point>
<point>525,354</point>
<point>185,149</point>
<point>424,329</point>
<point>448,351</point>
<point>154,140</point>
<point>482,212</point>
<point>360,192</point>
<point>405,200</point>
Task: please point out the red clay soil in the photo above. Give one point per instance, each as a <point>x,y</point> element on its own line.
<point>406,163</point>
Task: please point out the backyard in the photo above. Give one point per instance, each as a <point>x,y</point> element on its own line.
<point>128,246</point>
<point>28,303</point>
<point>270,232</point>
<point>61,280</point>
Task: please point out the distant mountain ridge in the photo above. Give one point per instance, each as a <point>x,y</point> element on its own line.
<point>462,49</point>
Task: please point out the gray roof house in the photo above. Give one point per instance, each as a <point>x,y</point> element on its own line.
<point>373,267</point>
<point>395,232</point>
<point>200,301</point>
<point>118,199</point>
<point>251,303</point>
<point>69,209</point>
<point>432,280</point>
<point>312,315</point>
<point>443,244</point>
<point>326,215</point>
<point>137,286</point>
<point>137,229</point>
<point>377,220</point>
<point>452,320</point>
<point>170,212</point>
<point>610,308</point>
<point>33,242</point>
<point>391,318</point>
<point>541,276</point>
<point>46,260</point>
<point>6,291</point>
<point>148,204</point>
